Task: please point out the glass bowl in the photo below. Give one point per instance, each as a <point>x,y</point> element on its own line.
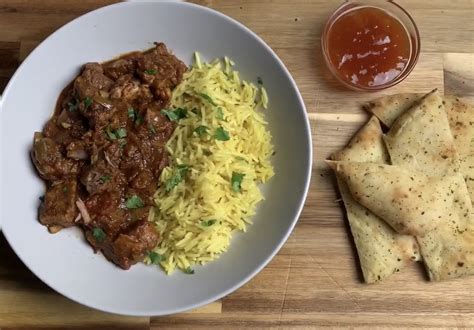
<point>394,10</point>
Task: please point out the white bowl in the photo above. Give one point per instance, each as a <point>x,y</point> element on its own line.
<point>64,261</point>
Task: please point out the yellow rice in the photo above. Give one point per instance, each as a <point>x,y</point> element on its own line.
<point>197,217</point>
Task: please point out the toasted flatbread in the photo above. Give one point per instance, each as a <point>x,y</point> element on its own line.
<point>381,250</point>
<point>389,108</point>
<point>448,251</point>
<point>436,209</point>
<point>461,121</point>
<point>411,202</point>
<point>460,115</point>
<point>421,138</point>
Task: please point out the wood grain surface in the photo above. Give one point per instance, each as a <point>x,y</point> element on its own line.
<point>314,281</point>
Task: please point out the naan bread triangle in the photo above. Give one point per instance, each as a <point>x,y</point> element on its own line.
<point>381,250</point>
<point>411,202</point>
<point>421,139</point>
<point>389,108</point>
<point>436,209</point>
<point>461,121</point>
<point>460,115</point>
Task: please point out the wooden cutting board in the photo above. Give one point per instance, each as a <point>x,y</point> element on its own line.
<point>315,279</point>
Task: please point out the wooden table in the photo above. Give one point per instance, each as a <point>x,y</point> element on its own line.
<point>314,280</point>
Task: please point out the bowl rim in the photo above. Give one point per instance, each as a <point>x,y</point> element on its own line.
<point>308,169</point>
<point>416,40</point>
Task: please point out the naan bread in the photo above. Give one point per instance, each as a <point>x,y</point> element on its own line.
<point>381,250</point>
<point>389,108</point>
<point>460,116</point>
<point>433,136</point>
<point>411,202</point>
<point>461,121</point>
<point>448,250</point>
<point>440,206</point>
<point>421,139</point>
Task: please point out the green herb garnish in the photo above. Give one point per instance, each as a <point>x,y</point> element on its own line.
<point>259,81</point>
<point>207,98</point>
<point>175,114</point>
<point>208,223</point>
<point>135,116</point>
<point>122,143</point>
<point>152,129</point>
<point>221,134</point>
<point>87,102</point>
<point>110,134</point>
<point>201,130</point>
<point>99,234</point>
<point>105,178</point>
<point>219,113</point>
<point>131,113</point>
<point>155,258</point>
<point>65,189</point>
<point>134,202</point>
<point>178,175</point>
<point>151,71</point>
<point>237,181</point>
<point>189,270</point>
<point>121,133</point>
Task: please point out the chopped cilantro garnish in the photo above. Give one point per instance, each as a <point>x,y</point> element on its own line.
<point>221,134</point>
<point>105,178</point>
<point>65,189</point>
<point>121,132</point>
<point>237,181</point>
<point>134,202</point>
<point>122,143</point>
<point>135,116</point>
<point>99,234</point>
<point>189,270</point>
<point>178,175</point>
<point>151,71</point>
<point>208,223</point>
<point>131,113</point>
<point>155,258</point>
<point>87,102</point>
<point>207,98</point>
<point>175,114</point>
<point>110,134</point>
<point>201,130</point>
<point>152,129</point>
<point>219,113</point>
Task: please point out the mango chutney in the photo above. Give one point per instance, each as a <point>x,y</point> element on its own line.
<point>368,47</point>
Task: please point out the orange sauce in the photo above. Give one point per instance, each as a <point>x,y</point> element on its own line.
<point>368,47</point>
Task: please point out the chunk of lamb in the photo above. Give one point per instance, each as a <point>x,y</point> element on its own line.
<point>130,246</point>
<point>91,81</point>
<point>91,89</point>
<point>161,70</point>
<point>106,212</point>
<point>119,68</point>
<point>49,161</point>
<point>100,177</point>
<point>128,89</point>
<point>59,204</point>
